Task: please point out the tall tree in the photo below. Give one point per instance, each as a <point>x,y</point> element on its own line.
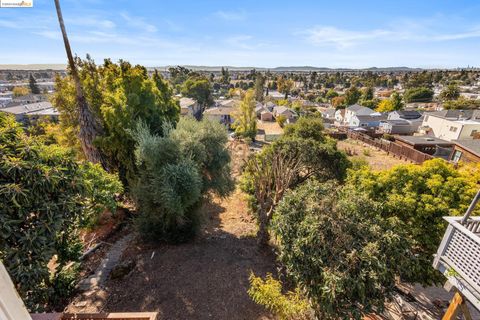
<point>33,85</point>
<point>259,86</point>
<point>246,124</point>
<point>89,127</point>
<point>302,153</point>
<point>198,88</point>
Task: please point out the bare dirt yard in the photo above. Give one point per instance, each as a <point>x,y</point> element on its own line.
<point>377,159</point>
<point>204,279</point>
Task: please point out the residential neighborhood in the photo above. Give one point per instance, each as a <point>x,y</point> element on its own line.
<point>255,160</point>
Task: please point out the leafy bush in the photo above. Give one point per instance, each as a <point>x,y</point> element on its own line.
<point>43,199</point>
<point>338,249</point>
<point>419,196</point>
<point>175,171</point>
<point>289,306</point>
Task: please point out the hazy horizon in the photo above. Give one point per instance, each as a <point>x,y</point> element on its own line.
<point>347,34</point>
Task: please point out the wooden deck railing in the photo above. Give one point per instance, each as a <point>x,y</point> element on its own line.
<point>391,147</point>
<point>458,257</point>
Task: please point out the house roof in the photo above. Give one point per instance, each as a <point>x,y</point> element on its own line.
<point>282,109</point>
<point>368,118</point>
<point>357,107</point>
<point>329,112</point>
<point>408,114</point>
<point>229,103</point>
<point>219,111</point>
<point>187,102</point>
<point>471,145</point>
<point>398,122</point>
<point>31,108</point>
<point>457,114</point>
<point>424,140</point>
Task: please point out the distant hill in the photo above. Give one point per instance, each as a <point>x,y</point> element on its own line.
<point>218,68</point>
<point>33,66</point>
<point>288,69</point>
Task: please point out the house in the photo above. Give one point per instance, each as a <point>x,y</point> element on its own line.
<point>368,121</point>
<point>266,116</point>
<point>270,105</point>
<point>284,111</point>
<point>190,107</point>
<point>452,124</point>
<point>220,114</point>
<point>401,127</point>
<point>355,110</point>
<point>33,111</point>
<point>466,151</point>
<point>404,115</point>
<point>426,144</point>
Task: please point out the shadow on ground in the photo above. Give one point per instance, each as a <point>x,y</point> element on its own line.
<point>204,279</point>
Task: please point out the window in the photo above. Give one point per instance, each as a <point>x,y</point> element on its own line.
<point>473,133</point>
<point>453,129</point>
<point>456,156</point>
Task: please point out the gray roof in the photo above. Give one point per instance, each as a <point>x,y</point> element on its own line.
<point>398,122</point>
<point>371,118</point>
<point>472,145</point>
<point>356,107</point>
<point>424,140</point>
<point>282,109</point>
<point>330,112</point>
<point>457,114</point>
<point>31,108</point>
<point>408,114</point>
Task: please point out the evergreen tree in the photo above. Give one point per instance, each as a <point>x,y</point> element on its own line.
<point>33,85</point>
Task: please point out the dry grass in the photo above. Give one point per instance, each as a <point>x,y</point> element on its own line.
<point>377,159</point>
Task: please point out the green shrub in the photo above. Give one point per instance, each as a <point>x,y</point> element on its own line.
<point>43,197</point>
<point>366,152</point>
<point>338,250</point>
<point>289,306</point>
<point>175,171</point>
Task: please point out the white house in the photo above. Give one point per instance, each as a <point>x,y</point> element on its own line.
<point>355,110</point>
<point>284,111</point>
<point>452,124</point>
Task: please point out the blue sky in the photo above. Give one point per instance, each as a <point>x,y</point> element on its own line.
<point>262,33</point>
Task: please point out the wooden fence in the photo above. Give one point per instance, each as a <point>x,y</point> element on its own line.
<point>392,148</point>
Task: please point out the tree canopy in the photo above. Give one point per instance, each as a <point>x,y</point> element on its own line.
<point>338,250</point>
<point>420,94</point>
<point>45,196</point>
<point>119,95</point>
<point>420,195</point>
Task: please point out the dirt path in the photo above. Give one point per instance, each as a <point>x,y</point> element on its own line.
<point>204,279</point>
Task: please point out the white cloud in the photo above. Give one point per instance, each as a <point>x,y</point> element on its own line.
<point>344,38</point>
<point>138,22</point>
<point>231,15</point>
<point>327,35</point>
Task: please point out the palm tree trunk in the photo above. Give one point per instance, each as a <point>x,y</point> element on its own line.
<point>89,128</point>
